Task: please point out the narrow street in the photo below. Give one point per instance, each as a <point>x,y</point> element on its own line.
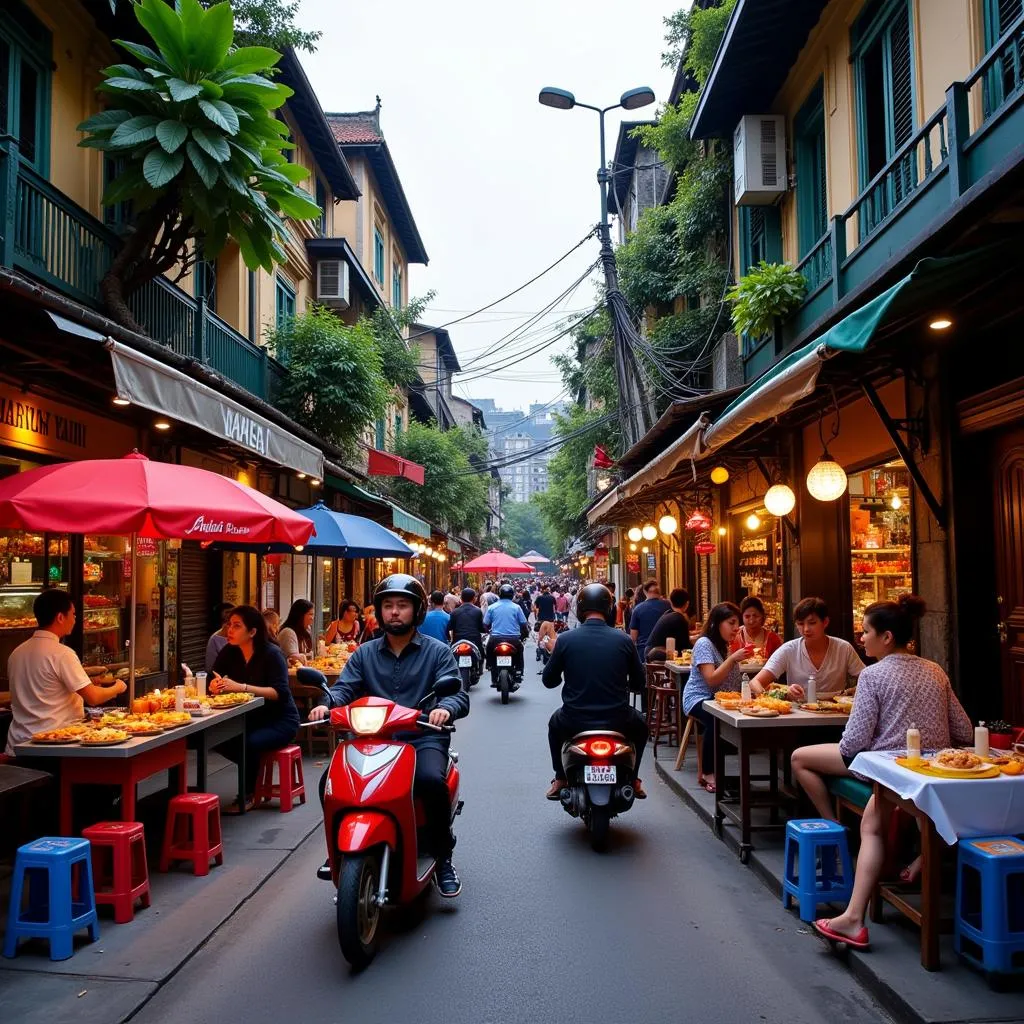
<point>665,926</point>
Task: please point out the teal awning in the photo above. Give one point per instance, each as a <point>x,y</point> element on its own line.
<point>355,491</point>
<point>407,521</point>
<point>454,547</point>
<point>400,519</point>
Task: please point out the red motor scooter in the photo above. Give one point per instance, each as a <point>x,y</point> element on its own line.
<point>371,819</point>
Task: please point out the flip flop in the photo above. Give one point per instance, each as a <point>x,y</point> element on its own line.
<point>858,941</point>
<point>710,787</point>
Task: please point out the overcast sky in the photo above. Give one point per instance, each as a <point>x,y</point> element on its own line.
<point>500,186</point>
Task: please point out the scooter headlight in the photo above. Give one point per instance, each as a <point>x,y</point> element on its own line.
<point>367,721</point>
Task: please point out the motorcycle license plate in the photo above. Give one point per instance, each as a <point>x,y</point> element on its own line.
<point>504,660</point>
<point>599,773</point>
<point>466,661</point>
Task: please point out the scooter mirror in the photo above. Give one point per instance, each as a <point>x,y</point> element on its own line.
<point>311,677</point>
<point>446,687</point>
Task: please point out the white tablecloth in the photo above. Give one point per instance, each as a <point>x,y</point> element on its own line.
<point>960,808</point>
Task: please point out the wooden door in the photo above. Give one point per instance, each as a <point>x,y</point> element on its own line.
<point>1008,483</point>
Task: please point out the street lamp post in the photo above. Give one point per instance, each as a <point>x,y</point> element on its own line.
<point>631,407</point>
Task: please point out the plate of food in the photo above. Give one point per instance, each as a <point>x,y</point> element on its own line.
<point>728,697</point>
<point>229,700</point>
<point>756,711</point>
<point>751,667</point>
<point>139,728</point>
<point>963,762</point>
<point>170,719</point>
<point>844,701</point>
<point>823,707</point>
<point>783,707</point>
<point>66,734</point>
<point>104,737</point>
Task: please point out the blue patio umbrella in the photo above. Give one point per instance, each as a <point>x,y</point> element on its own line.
<point>347,536</point>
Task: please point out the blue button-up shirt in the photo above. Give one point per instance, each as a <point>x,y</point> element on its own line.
<point>505,618</point>
<point>373,670</point>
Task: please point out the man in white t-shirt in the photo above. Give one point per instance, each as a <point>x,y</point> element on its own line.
<point>834,662</point>
<point>49,687</point>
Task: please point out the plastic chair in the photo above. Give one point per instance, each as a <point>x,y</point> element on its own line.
<point>988,926</point>
<point>812,847</point>
<point>53,911</point>
<point>193,832</point>
<point>289,772</point>
<point>123,876</point>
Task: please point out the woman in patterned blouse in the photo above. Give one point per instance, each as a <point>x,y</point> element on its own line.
<point>899,690</point>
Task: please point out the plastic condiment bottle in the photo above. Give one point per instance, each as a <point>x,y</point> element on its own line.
<point>981,740</point>
<point>913,742</point>
<point>179,697</point>
<point>812,689</point>
<point>200,684</point>
<point>321,649</point>
<point>745,687</point>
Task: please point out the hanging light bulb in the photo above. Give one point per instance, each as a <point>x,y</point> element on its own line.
<point>668,524</point>
<point>634,533</point>
<point>827,479</point>
<point>649,532</point>
<point>719,475</point>
<point>722,531</point>
<point>895,502</point>
<point>645,549</point>
<point>780,500</point>
<point>632,547</point>
<point>752,522</point>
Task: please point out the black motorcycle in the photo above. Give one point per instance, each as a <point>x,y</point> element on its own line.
<point>600,769</point>
<point>505,660</point>
<point>470,660</point>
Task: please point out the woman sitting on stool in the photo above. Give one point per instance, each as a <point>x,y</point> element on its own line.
<point>250,663</point>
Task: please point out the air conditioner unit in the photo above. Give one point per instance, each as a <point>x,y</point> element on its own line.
<point>332,283</point>
<point>759,159</point>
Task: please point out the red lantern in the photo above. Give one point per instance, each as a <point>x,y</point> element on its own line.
<point>704,547</point>
<point>698,521</point>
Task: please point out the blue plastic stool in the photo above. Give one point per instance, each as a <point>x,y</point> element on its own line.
<point>988,928</point>
<point>812,845</point>
<point>53,912</point>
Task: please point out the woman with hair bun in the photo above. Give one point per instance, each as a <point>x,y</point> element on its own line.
<point>898,690</point>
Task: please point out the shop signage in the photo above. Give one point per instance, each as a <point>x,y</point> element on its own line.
<point>633,565</point>
<point>601,561</point>
<point>651,564</point>
<point>45,427</point>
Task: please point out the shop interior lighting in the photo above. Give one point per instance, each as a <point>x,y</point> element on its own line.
<point>753,521</point>
<point>668,524</point>
<point>301,476</point>
<point>118,400</point>
<point>780,500</point>
<point>632,547</point>
<point>649,532</point>
<point>645,549</point>
<point>161,425</point>
<point>634,533</point>
<point>314,483</point>
<point>895,502</point>
<point>722,531</point>
<point>719,475</point>
<point>940,323</point>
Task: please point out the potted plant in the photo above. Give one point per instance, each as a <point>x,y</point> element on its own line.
<point>766,293</point>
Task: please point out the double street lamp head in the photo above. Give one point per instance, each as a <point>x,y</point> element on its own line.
<point>562,99</point>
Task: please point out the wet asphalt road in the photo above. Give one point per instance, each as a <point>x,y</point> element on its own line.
<point>665,926</point>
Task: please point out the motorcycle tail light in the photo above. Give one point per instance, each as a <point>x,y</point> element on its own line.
<point>504,648</point>
<point>600,748</point>
<point>463,649</point>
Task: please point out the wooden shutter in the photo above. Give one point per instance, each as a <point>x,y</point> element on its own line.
<point>900,78</point>
<point>193,605</point>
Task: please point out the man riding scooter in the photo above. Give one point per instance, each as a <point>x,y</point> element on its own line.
<point>466,623</point>
<point>601,666</point>
<point>402,666</point>
<point>506,621</point>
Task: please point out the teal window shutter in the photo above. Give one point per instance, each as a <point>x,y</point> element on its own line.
<point>378,255</point>
<point>760,236</point>
<point>25,71</point>
<point>321,201</point>
<point>1005,77</point>
<point>811,171</point>
<point>379,433</point>
<point>285,295</point>
<point>396,286</point>
<point>398,424</point>
<point>119,215</point>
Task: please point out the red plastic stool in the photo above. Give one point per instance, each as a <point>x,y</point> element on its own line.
<point>198,843</point>
<point>123,877</point>
<point>289,771</point>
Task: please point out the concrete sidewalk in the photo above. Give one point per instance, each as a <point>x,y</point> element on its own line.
<point>109,980</point>
<point>891,971</point>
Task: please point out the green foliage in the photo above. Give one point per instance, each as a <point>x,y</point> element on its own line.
<point>589,374</point>
<point>399,358</point>
<point>767,291</point>
<point>522,527</point>
<point>194,128</point>
<point>335,384</point>
<point>451,493</point>
<point>670,135</point>
<point>693,35</point>
<point>272,23</point>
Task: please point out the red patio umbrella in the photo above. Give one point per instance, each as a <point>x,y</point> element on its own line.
<point>496,562</point>
<point>135,496</point>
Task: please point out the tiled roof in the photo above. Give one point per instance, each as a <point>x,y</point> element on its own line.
<point>361,129</point>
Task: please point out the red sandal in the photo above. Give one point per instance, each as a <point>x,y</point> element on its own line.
<point>858,941</point>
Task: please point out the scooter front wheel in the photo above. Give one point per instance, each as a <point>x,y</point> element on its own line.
<point>358,913</point>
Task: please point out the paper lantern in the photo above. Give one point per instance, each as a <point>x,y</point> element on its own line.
<point>827,479</point>
<point>635,534</point>
<point>719,475</point>
<point>780,500</point>
<point>704,547</point>
<point>699,521</point>
<point>649,532</point>
<point>668,524</point>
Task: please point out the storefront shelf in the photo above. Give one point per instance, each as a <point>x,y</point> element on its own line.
<point>880,551</point>
<point>101,629</point>
<point>105,556</point>
<point>872,575</point>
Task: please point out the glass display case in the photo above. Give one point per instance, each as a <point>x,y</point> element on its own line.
<point>759,564</point>
<point>881,564</point>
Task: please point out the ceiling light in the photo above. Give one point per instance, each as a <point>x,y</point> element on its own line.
<point>645,549</point>
<point>719,475</point>
<point>827,479</point>
<point>314,483</point>
<point>635,534</point>
<point>941,323</point>
<point>632,547</point>
<point>779,500</point>
<point>161,425</point>
<point>649,532</point>
<point>752,522</point>
<point>118,400</point>
<point>301,476</point>
<point>895,502</point>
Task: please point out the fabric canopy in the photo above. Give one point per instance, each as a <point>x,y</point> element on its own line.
<point>152,499</point>
<point>534,558</point>
<point>348,536</point>
<point>380,463</point>
<point>496,562</point>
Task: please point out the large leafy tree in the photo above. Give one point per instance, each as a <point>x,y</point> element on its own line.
<point>335,384</point>
<point>272,23</point>
<point>453,491</point>
<point>192,124</point>
<point>522,527</point>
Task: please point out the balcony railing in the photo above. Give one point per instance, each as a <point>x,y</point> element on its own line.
<point>48,236</point>
<point>978,127</point>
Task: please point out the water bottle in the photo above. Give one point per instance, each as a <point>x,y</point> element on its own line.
<point>812,689</point>
<point>745,687</point>
<point>914,743</point>
<point>179,697</point>
<point>200,684</point>
<point>981,740</point>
